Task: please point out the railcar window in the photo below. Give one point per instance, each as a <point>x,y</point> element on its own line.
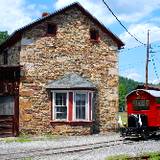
<point>158,100</point>
<point>158,107</point>
<point>140,104</point>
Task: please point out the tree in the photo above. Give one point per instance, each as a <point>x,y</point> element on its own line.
<point>125,86</point>
<point>122,94</point>
<point>3,36</point>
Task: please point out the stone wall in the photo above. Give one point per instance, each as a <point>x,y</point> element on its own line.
<point>45,57</point>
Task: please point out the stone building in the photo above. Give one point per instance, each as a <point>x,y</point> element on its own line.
<point>59,75</point>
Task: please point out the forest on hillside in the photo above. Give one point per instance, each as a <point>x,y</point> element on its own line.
<point>125,86</point>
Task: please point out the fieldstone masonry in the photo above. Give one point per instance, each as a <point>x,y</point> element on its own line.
<point>46,57</point>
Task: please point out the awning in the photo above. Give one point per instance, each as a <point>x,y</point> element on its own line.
<point>71,81</point>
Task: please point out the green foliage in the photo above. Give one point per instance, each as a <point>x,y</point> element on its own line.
<point>17,139</point>
<point>3,36</point>
<point>125,86</point>
<point>149,156</point>
<point>27,158</point>
<point>118,157</point>
<point>154,156</point>
<point>123,116</point>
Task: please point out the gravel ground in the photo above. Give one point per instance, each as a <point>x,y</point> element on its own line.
<point>95,154</point>
<point>54,143</point>
<point>137,148</point>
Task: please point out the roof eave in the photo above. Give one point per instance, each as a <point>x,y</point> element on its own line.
<point>73,88</point>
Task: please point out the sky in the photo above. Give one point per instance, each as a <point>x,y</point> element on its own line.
<point>138,16</point>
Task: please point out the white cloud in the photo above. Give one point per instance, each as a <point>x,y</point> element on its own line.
<point>140,32</point>
<point>132,74</point>
<point>95,7</point>
<point>155,81</point>
<point>17,13</point>
<point>127,11</point>
<point>133,11</point>
<point>13,15</point>
<point>135,76</point>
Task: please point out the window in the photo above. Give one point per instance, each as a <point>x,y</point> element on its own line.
<point>60,106</point>
<point>140,104</point>
<point>158,100</point>
<point>80,105</point>
<point>7,105</point>
<point>5,57</point>
<point>94,34</point>
<point>72,106</point>
<point>51,29</point>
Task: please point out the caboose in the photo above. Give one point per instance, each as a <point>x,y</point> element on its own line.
<point>143,108</point>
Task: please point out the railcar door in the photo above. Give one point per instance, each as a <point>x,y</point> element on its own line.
<point>7,114</point>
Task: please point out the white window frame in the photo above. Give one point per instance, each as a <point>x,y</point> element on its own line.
<point>53,104</point>
<point>87,118</point>
<point>86,106</point>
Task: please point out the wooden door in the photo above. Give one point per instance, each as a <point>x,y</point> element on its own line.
<point>7,116</point>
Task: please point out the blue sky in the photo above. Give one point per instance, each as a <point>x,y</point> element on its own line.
<point>138,16</point>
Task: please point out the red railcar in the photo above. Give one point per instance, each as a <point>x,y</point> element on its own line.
<point>143,108</point>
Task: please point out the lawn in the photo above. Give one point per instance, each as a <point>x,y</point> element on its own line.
<point>28,138</point>
<point>123,116</point>
<point>146,156</point>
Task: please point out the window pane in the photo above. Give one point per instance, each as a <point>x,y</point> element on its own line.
<point>81,102</point>
<point>61,109</point>
<point>7,105</point>
<point>60,98</point>
<point>60,105</point>
<point>140,104</point>
<point>61,116</point>
<point>158,100</point>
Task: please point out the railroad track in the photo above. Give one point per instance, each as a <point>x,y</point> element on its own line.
<point>62,150</point>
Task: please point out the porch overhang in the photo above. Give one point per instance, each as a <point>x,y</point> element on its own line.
<point>71,82</point>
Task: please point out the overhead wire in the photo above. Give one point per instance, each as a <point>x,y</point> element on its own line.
<point>121,23</point>
<point>129,49</point>
<point>133,36</point>
<point>154,66</point>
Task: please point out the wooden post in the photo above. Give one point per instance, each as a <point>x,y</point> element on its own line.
<point>147,60</point>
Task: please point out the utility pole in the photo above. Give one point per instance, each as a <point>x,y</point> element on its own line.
<point>147,60</point>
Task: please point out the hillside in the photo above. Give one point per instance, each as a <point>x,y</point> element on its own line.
<point>125,86</point>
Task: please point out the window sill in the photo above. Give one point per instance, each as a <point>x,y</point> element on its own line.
<point>72,123</point>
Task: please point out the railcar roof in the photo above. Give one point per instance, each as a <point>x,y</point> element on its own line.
<point>153,93</point>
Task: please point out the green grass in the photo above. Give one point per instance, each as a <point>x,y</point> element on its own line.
<point>123,116</point>
<point>119,157</point>
<point>152,156</point>
<point>28,138</point>
<point>16,139</point>
<point>49,136</point>
<point>28,158</point>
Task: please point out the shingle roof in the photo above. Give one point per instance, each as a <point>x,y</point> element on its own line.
<point>18,33</point>
<point>71,81</point>
<point>149,87</point>
<point>154,93</point>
